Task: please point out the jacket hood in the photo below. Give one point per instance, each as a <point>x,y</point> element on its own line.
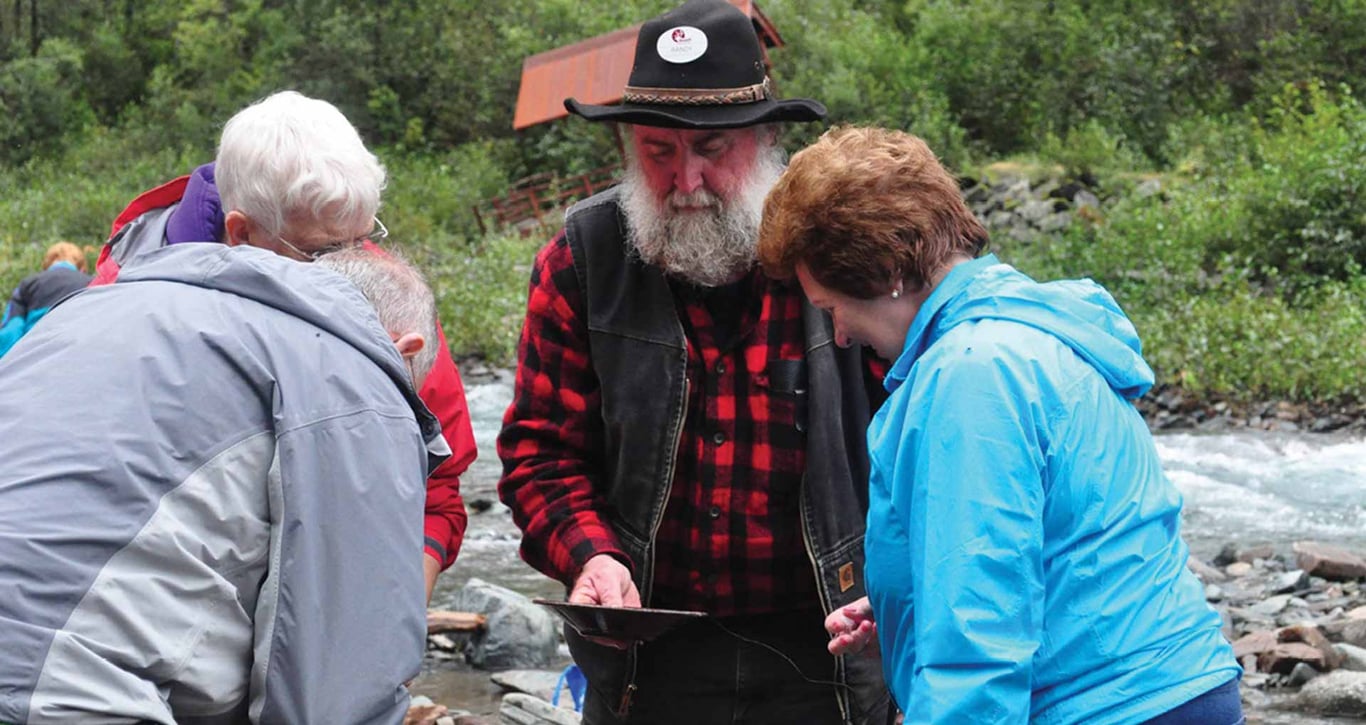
<point>1080,313</point>
<point>311,293</point>
<point>199,215</point>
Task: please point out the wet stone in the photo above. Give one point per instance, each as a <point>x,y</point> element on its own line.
<point>1353,657</point>
<point>1300,675</point>
<point>1329,562</point>
<point>1271,606</point>
<point>1336,693</point>
<point>1290,581</point>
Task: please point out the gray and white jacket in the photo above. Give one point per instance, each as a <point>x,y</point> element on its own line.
<point>212,477</point>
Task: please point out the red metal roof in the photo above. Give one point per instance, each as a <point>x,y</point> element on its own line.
<point>595,70</point>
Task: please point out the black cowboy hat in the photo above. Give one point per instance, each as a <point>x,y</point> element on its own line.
<point>699,66</point>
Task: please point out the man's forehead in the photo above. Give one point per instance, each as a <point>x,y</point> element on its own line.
<point>658,134</point>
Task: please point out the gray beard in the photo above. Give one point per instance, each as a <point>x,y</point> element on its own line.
<point>709,248</point>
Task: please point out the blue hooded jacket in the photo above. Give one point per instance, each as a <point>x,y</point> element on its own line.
<point>1023,555</point>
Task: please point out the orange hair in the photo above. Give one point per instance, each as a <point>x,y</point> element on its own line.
<point>863,208</point>
<point>64,252</point>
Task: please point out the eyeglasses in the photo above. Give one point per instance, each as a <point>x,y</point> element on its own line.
<point>374,235</point>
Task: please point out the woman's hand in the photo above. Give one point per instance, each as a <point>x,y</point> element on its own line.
<point>851,627</point>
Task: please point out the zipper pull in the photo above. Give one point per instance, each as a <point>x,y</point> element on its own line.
<point>624,707</point>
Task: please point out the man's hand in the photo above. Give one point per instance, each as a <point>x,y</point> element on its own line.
<point>605,581</point>
<point>430,569</point>
<point>851,627</point>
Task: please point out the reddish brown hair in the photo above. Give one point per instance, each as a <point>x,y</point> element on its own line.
<point>64,252</point>
<point>864,207</point>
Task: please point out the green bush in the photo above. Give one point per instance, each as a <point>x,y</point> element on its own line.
<point>1089,151</point>
<point>1243,344</point>
<point>77,195</point>
<point>40,101</point>
<point>480,291</point>
<point>1244,274</point>
<point>434,196</point>
<point>1300,191</point>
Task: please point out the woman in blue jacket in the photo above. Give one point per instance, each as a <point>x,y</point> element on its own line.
<point>63,275</point>
<point>1023,555</point>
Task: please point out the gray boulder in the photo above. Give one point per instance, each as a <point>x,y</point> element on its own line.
<point>538,683</point>
<point>1336,693</point>
<point>519,635</point>
<point>1329,562</point>
<point>1353,657</point>
<point>519,709</point>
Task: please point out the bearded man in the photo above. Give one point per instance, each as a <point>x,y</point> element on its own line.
<point>684,432</point>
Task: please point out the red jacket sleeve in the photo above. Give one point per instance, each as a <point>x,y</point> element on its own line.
<point>444,394</point>
<point>552,439</point>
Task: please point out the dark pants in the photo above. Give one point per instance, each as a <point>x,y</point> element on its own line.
<point>699,674</point>
<point>1220,706</point>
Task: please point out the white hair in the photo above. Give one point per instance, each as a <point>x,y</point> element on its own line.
<point>710,248</point>
<point>289,154</point>
<point>399,293</point>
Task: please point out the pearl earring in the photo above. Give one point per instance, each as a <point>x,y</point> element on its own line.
<point>896,294</point>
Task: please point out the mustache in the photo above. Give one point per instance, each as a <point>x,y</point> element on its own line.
<point>699,198</point>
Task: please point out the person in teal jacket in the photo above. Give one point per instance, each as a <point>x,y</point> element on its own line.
<point>63,275</point>
<point>1024,561</point>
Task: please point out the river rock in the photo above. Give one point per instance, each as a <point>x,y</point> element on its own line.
<point>1295,580</point>
<point>1283,658</point>
<point>519,634</point>
<point>1357,613</point>
<point>1238,568</point>
<point>1255,643</point>
<point>1228,554</point>
<point>1250,620</point>
<point>1035,211</point>
<point>1301,674</point>
<point>1354,632</point>
<point>1329,562</point>
<point>1085,199</point>
<point>1353,657</point>
<point>1253,553</point>
<point>1336,693</point>
<point>538,683</point>
<point>1310,635</point>
<point>1055,223</point>
<point>1205,572</point>
<point>519,709</point>
<point>1271,606</point>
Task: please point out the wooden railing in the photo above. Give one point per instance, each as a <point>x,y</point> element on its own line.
<point>538,201</point>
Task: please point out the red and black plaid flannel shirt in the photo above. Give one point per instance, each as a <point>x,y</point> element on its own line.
<point>731,539</point>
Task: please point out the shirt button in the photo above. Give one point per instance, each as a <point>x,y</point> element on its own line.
<point>714,512</point>
<point>718,437</point>
<point>721,367</point>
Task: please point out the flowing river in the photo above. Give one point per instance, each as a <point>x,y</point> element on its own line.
<point>1245,487</point>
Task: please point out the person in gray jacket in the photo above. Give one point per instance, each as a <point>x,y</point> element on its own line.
<point>190,525</point>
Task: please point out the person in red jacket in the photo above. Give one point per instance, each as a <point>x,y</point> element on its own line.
<point>293,176</point>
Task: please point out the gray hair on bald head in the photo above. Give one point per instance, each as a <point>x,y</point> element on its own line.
<point>399,293</point>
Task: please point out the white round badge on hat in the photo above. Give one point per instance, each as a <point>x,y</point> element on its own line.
<point>683,44</point>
